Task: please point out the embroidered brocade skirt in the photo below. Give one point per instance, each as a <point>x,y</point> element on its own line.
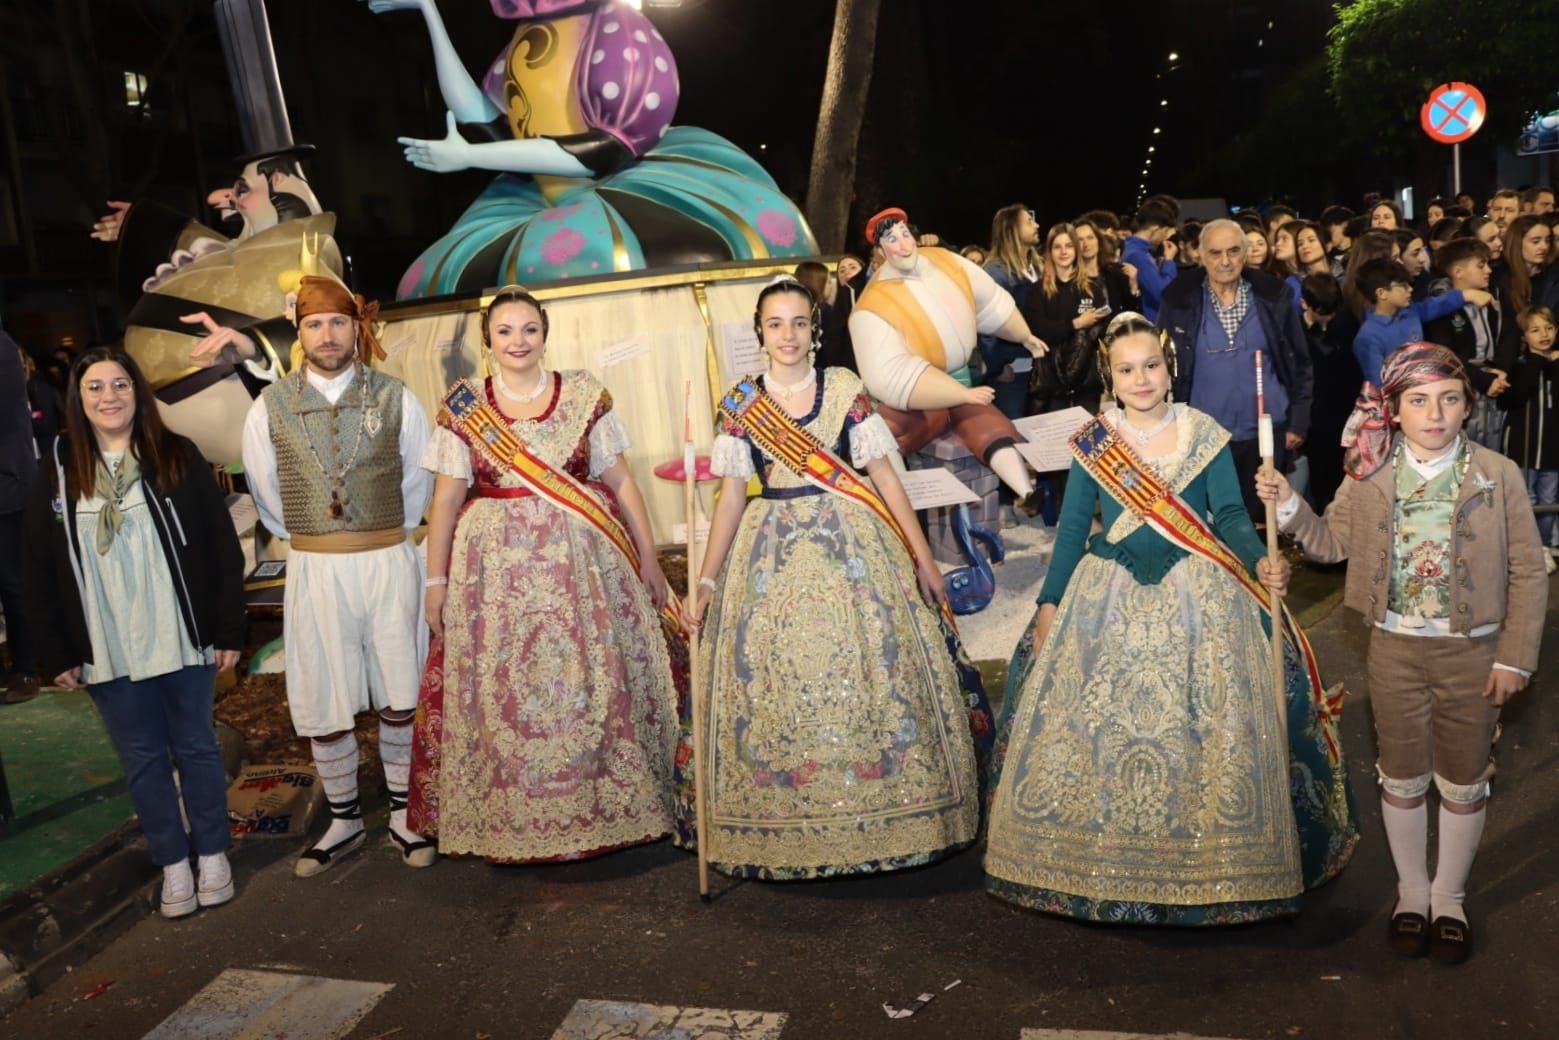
<point>546,725</point>
<point>1142,770</point>
<point>838,716</point>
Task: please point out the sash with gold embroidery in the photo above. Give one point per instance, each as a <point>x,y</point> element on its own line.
<point>1139,489</point>
<point>777,433</point>
<point>486,427</point>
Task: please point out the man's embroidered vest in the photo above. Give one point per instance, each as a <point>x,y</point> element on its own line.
<point>370,491</point>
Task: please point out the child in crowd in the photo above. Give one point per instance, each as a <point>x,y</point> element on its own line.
<point>1444,564</point>
<point>1394,318</point>
<point>1484,338</point>
<point>1337,382</point>
<point>1532,433</point>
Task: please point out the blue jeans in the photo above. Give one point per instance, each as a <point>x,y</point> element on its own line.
<point>1543,489</point>
<point>154,723</point>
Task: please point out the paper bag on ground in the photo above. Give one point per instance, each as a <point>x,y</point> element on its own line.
<point>273,801</point>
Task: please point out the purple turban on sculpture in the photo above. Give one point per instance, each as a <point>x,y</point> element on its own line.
<point>525,9</point>
<point>625,76</point>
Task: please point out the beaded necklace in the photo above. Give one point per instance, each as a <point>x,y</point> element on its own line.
<point>335,508</point>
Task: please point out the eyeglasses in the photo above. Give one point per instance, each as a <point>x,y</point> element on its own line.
<point>97,387</point>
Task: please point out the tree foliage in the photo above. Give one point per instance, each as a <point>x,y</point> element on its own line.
<point>1385,56</point>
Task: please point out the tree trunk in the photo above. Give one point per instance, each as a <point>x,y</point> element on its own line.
<point>850,54</point>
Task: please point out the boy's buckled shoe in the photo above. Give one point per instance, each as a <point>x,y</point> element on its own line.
<point>1450,940</point>
<point>1409,934</point>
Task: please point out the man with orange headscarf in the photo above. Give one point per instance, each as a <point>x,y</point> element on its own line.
<point>915,327</point>
<point>332,452</point>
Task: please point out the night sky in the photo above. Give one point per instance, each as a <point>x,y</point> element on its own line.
<point>972,105</point>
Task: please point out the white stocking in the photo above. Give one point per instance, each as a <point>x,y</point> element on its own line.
<point>337,765</point>
<point>1459,837</point>
<point>395,753</point>
<point>1407,833</point>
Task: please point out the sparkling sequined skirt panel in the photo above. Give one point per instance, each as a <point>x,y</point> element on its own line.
<point>1144,764</point>
<point>556,726</point>
<point>839,737</point>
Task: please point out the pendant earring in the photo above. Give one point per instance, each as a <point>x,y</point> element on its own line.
<point>812,357</point>
<point>1169,396</point>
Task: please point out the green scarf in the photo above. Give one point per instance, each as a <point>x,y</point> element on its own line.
<point>112,489</point>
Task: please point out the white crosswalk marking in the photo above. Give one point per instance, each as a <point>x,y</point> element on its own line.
<point>242,1004</point>
<point>614,1020</point>
<point>1094,1034</point>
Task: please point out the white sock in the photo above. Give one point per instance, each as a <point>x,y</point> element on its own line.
<point>337,765</point>
<point>395,753</point>
<point>1407,833</point>
<point>1459,837</point>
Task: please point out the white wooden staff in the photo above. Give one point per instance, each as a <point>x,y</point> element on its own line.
<point>1268,452</point>
<point>696,691</point>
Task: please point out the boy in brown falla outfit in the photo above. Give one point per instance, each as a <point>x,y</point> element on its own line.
<point>1445,563</point>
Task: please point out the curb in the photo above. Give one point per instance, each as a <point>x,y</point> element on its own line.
<point>67,917</point>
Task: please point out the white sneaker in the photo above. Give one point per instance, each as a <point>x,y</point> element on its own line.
<point>216,880</point>
<point>178,890</point>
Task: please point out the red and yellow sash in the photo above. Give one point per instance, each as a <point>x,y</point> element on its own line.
<point>776,432</point>
<point>1139,488</point>
<point>485,426</point>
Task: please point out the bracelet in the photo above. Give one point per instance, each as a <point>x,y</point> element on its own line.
<point>431,582</point>
<point>707,582</point>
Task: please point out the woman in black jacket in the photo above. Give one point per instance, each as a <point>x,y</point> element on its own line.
<point>1067,310</point>
<point>137,575</point>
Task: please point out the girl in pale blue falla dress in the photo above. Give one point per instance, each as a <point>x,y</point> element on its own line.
<point>1141,772</point>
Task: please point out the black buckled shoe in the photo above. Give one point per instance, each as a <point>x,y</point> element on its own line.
<point>1409,934</point>
<point>1450,940</point>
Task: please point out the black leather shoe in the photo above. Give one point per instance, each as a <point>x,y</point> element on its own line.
<point>1030,504</point>
<point>1450,940</point>
<point>1409,934</point>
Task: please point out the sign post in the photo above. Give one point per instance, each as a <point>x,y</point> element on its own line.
<point>1453,113</point>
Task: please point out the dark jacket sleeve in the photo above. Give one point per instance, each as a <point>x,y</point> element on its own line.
<point>1508,345</point>
<point>17,460</point>
<point>1524,378</point>
<point>41,567</point>
<point>1118,290</point>
<point>1077,363</point>
<point>1298,374</point>
<point>1050,317</point>
<point>224,556</point>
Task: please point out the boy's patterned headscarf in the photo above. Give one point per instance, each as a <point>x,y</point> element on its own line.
<point>1368,433</point>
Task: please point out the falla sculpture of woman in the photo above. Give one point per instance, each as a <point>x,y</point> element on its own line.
<point>575,117</point>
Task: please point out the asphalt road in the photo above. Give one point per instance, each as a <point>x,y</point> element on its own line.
<point>475,951</point>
